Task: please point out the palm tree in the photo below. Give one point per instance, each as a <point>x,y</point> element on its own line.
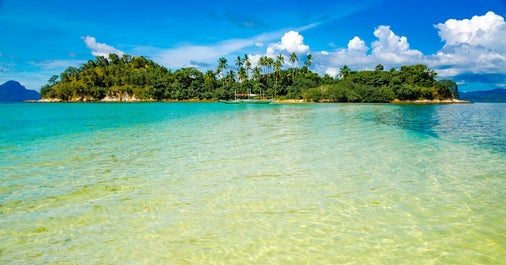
<point>344,71</point>
<point>209,81</point>
<point>222,65</point>
<point>270,62</point>
<point>240,69</point>
<point>257,72</point>
<point>293,59</point>
<point>263,62</point>
<point>308,62</point>
<point>280,60</point>
<point>242,75</point>
<point>238,62</point>
<point>247,63</point>
<point>231,76</point>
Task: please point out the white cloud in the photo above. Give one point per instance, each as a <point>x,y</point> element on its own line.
<point>354,55</point>
<point>388,49</point>
<point>181,56</point>
<point>254,60</point>
<point>356,46</point>
<point>488,30</point>
<point>391,48</point>
<point>291,41</point>
<point>100,49</point>
<point>471,46</point>
<point>332,71</point>
<point>475,45</point>
<point>474,51</point>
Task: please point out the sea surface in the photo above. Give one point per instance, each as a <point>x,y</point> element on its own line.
<point>212,183</point>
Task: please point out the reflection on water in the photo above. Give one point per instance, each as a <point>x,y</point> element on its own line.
<point>418,118</point>
<point>477,124</point>
<point>228,184</point>
<point>480,124</point>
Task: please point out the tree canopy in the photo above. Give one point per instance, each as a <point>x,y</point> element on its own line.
<point>139,77</point>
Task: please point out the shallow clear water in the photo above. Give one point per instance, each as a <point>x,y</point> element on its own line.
<point>211,183</point>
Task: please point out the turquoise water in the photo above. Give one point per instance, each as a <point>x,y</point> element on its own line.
<point>212,183</point>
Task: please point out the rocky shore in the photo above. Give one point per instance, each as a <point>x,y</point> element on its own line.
<point>127,98</point>
<point>396,101</point>
<point>433,101</point>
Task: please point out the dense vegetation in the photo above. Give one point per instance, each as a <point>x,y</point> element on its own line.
<point>409,83</point>
<point>127,76</point>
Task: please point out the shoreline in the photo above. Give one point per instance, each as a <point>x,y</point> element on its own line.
<point>54,100</point>
<point>433,101</point>
<point>396,101</point>
<point>275,101</point>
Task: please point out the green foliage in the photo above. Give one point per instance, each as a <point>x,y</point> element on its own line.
<point>452,86</point>
<point>406,92</point>
<point>409,83</point>
<point>113,76</point>
<point>375,94</point>
<point>127,76</point>
<point>348,91</point>
<point>314,94</point>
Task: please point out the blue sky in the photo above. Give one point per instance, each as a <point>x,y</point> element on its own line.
<point>463,40</point>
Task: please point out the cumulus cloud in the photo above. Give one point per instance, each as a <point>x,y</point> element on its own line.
<point>100,49</point>
<point>473,45</point>
<point>181,56</point>
<point>254,59</point>
<point>488,30</point>
<point>356,46</point>
<point>388,49</point>
<point>354,55</point>
<point>391,48</point>
<point>291,41</point>
<point>332,71</point>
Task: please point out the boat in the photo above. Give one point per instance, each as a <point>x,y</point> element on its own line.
<point>248,99</point>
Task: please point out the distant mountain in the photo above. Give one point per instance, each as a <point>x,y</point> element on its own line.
<point>12,91</point>
<point>495,95</point>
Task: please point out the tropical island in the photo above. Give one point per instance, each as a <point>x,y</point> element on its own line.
<point>136,78</point>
